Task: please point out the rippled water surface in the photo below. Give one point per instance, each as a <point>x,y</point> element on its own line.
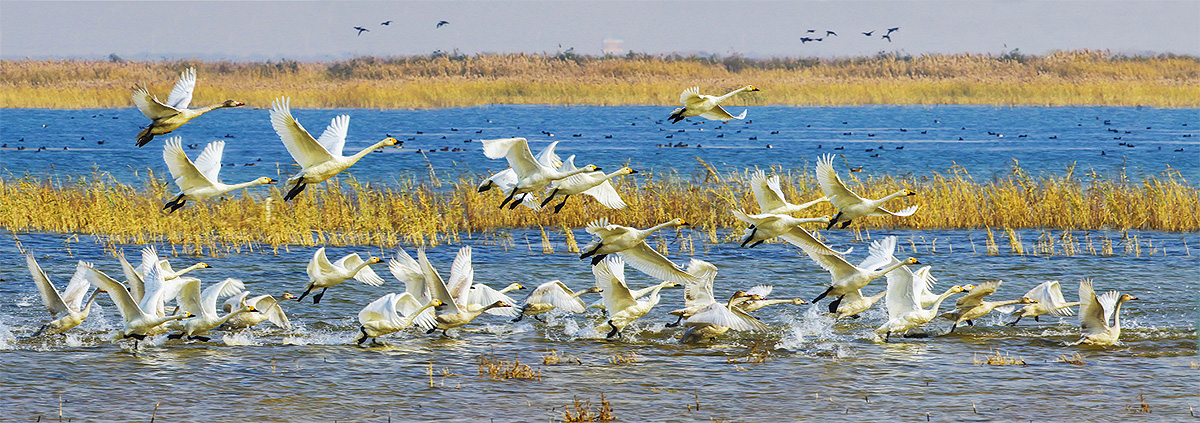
<point>814,368</point>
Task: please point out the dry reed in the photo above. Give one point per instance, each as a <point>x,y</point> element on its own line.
<point>997,359</point>
<point>348,212</point>
<point>624,358</point>
<point>582,411</point>
<point>1074,358</point>
<point>455,80</point>
<point>498,369</point>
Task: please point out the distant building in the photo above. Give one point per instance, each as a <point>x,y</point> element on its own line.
<point>613,46</point>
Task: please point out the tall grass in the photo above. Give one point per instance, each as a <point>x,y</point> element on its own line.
<point>353,213</point>
<point>452,80</point>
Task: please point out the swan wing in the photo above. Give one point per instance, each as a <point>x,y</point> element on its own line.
<point>365,275</point>
<point>274,310</point>
<point>719,315</point>
<point>606,194</point>
<point>653,263</point>
<point>408,305</point>
<point>610,278</point>
<point>136,287</point>
<point>1108,302</point>
<point>700,292</point>
<point>836,265</point>
<point>907,211</point>
<point>1055,301</point>
<point>767,196</point>
<point>334,137</point>
<point>601,228</point>
<point>187,175</point>
<point>54,303</point>
<point>462,276</point>
<point>516,151</point>
<point>120,295</point>
<point>484,295</point>
<point>1092,318</point>
<point>407,270</point>
<point>547,157</point>
<point>800,237</point>
<point>225,288</point>
<point>234,302</point>
<point>73,294</point>
<point>882,252</point>
<point>437,288</point>
<point>832,185</point>
<point>556,294</point>
<point>189,299</point>
<point>149,105</point>
<point>209,162</point>
<point>382,309</point>
<point>319,265</point>
<point>690,96</point>
<point>719,113</point>
<point>760,290</point>
<point>504,180</point>
<point>302,146</point>
<point>181,95</point>
<point>901,295</point>
<point>975,297</point>
<point>924,282</point>
<point>149,260</point>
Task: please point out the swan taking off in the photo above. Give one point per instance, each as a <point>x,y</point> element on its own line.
<point>903,304</point>
<point>752,305</point>
<point>715,319</point>
<point>392,313</point>
<point>67,309</point>
<point>142,318</point>
<point>455,310</point>
<point>764,227</point>
<point>769,195</point>
<point>850,206</point>
<point>972,306</point>
<point>531,174</point>
<point>204,306</point>
<point>323,274</point>
<point>846,278</point>
<point>553,295</point>
<point>594,184</point>
<point>630,243</point>
<point>623,309</point>
<point>1095,313</point>
<point>706,106</point>
<point>506,179</point>
<point>319,158</point>
<point>170,116</point>
<point>198,180</point>
<point>268,308</point>
<point>1049,301</point>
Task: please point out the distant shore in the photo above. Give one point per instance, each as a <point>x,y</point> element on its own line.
<point>450,80</point>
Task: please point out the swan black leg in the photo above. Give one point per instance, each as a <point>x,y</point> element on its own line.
<point>614,331</point>
<point>516,203</point>
<point>199,338</point>
<point>519,317</point>
<point>597,259</point>
<point>970,323</point>
<point>175,336</point>
<point>362,339</point>
<point>1035,318</point>
<point>753,230</point>
<point>952,328</point>
<point>1014,322</point>
<point>756,244</point>
<point>306,292</point>
<point>549,197</point>
<point>823,294</point>
<point>296,189</point>
<point>589,253</point>
<point>539,318</point>
<point>833,305</point>
<point>559,207</point>
<point>833,221</point>
<point>317,298</point>
<point>677,321</point>
<point>431,330</point>
<point>844,224</point>
<point>509,198</point>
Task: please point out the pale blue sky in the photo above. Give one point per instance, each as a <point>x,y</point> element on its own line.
<point>323,29</point>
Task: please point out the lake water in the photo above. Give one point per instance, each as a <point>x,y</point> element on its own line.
<point>815,368</point>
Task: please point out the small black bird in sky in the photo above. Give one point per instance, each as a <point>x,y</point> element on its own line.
<point>361,30</point>
<point>891,30</point>
<point>888,37</point>
<point>440,23</point>
<point>811,31</point>
<point>868,33</point>
<point>805,40</point>
<point>385,23</point>
<point>830,33</point>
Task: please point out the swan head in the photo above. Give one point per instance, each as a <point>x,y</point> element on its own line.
<point>389,141</point>
<point>264,181</point>
<point>1126,297</point>
<point>288,296</point>
<point>967,288</point>
<point>500,303</point>
<point>250,309</point>
<point>956,289</point>
<point>1027,300</point>
<point>678,221</point>
<point>626,171</point>
<point>515,286</point>
<point>202,265</point>
<point>374,260</point>
<point>798,301</point>
<point>231,103</point>
<point>912,260</point>
<point>591,168</point>
<point>909,192</point>
<point>752,88</point>
<point>436,303</point>
<point>669,284</point>
<point>592,290</point>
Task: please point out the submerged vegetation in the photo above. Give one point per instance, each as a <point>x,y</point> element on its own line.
<point>347,212</point>
<point>455,80</point>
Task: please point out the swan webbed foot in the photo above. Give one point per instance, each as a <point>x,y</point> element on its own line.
<point>614,331</point>
<point>757,244</point>
<point>823,294</point>
<point>833,305</point>
<point>1035,318</point>
<point>139,337</point>
<point>431,330</point>
<point>559,207</point>
<point>833,221</point>
<point>538,317</point>
<point>199,338</point>
<point>970,323</point>
<point>305,294</point>
<point>677,321</point>
<point>548,198</point>
<point>39,331</point>
<point>855,316</point>
<point>916,335</point>
<point>175,336</point>
<point>445,333</point>
<point>296,189</point>
<point>364,336</point>
<point>519,317</point>
<point>317,297</point>
<point>844,224</point>
<point>597,259</point>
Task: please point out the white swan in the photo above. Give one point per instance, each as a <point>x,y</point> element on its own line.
<point>479,295</point>
<point>392,313</point>
<point>854,303</point>
<point>972,306</point>
<point>323,274</point>
<point>765,226</point>
<point>172,279</point>
<point>850,206</point>
<point>140,319</point>
<point>630,243</point>
<point>769,195</point>
<point>203,305</point>
<point>150,256</point>
<point>531,175</point>
<point>1095,313</point>
<point>198,180</point>
<point>846,278</point>
<point>904,309</point>
<point>506,179</point>
<point>268,308</point>
<point>594,184</point>
<point>623,309</point>
<point>319,158</point>
<point>553,295</point>
<point>706,106</point>
<point>170,116</point>
<point>452,312</point>
<point>1049,301</point>
<point>715,319</point>
<point>699,294</point>
<point>67,309</point>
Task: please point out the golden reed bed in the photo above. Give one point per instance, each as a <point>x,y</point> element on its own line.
<point>350,213</point>
<point>451,80</point>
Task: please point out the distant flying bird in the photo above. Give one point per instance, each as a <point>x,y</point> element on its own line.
<point>891,30</point>
<point>361,30</point>
<point>811,31</point>
<point>385,23</point>
<point>830,33</point>
<point>804,40</point>
<point>888,37</point>
<point>868,33</point>
<point>440,23</point>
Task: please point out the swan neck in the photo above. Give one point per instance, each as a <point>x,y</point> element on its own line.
<point>1117,315</point>
<point>359,155</point>
<point>731,94</point>
<point>235,187</point>
<point>938,304</point>
<point>210,108</point>
<point>88,306</point>
<point>893,195</point>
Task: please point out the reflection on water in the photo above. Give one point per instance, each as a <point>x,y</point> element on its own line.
<point>813,367</point>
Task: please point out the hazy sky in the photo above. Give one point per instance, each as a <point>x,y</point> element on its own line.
<point>324,29</point>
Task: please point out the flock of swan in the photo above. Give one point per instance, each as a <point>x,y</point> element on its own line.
<point>432,303</point>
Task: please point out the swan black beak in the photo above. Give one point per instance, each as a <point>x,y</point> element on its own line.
<point>271,182</point>
<point>632,171</point>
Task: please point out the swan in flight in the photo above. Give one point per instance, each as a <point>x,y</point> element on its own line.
<point>698,293</point>
<point>762,291</point>
<point>850,206</point>
<point>531,175</point>
<point>150,257</point>
<point>454,310</point>
<point>319,158</point>
<point>268,308</point>
<point>630,243</point>
<point>392,313</point>
<point>769,196</point>
<point>1049,301</point>
<point>140,318</point>
<point>323,274</point>
<point>198,180</point>
<point>854,303</point>
<point>715,319</point>
<point>172,279</point>
<point>904,308</point>
<point>706,106</point>
<point>203,305</point>
<point>1095,314</point>
<point>594,184</point>
<point>764,227</point>
<point>553,295</point>
<point>622,308</point>
<point>506,179</point>
<point>67,309</point>
<point>972,306</point>
<point>175,112</point>
<point>846,278</point>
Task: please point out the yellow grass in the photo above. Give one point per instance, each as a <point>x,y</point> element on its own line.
<point>998,359</point>
<point>582,411</point>
<point>353,213</point>
<point>451,80</point>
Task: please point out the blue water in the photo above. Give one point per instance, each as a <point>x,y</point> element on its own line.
<point>929,136</point>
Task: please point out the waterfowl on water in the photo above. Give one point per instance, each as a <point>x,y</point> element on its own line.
<point>622,308</point>
<point>1049,301</point>
<point>1095,313</point>
<point>846,278</point>
<point>325,274</point>
<point>66,308</point>
<point>972,306</point>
